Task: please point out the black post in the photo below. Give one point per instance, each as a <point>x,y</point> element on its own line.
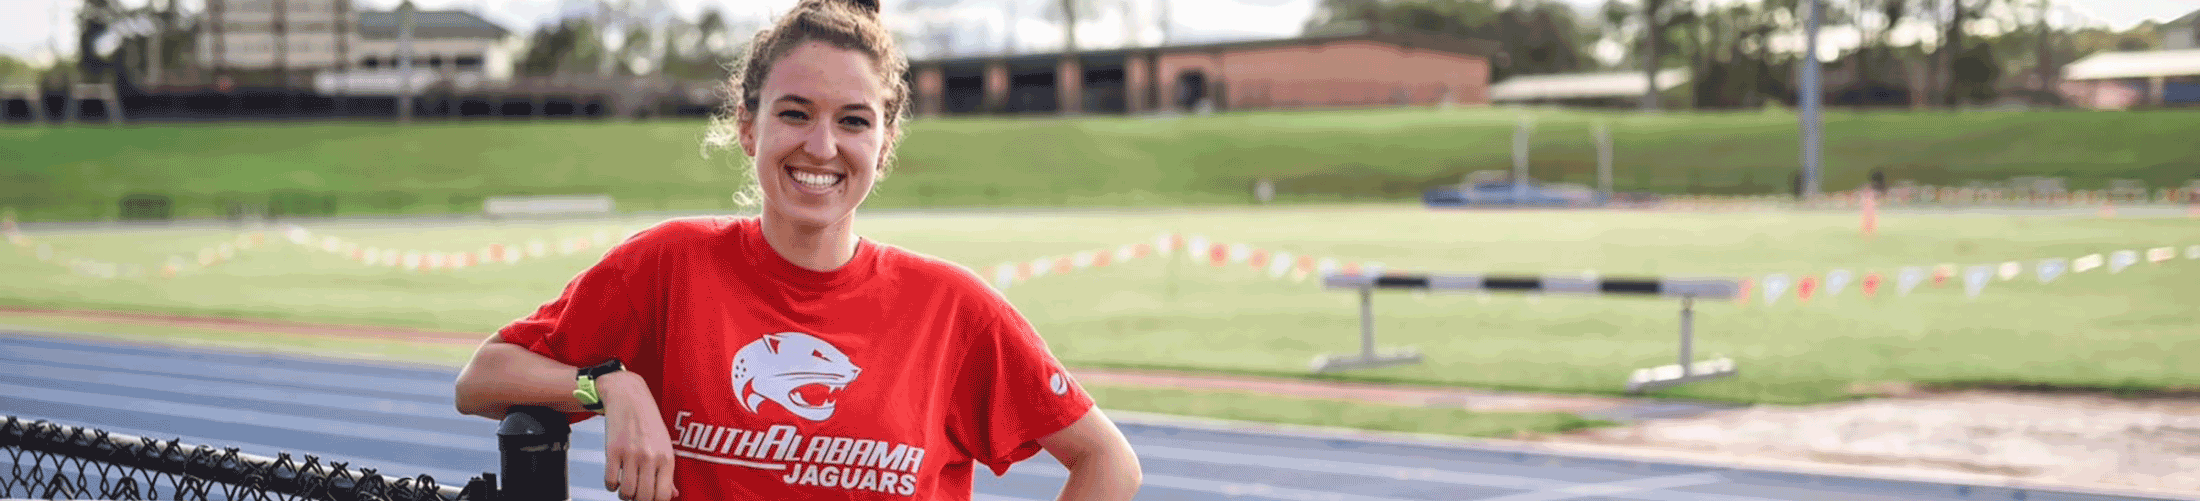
<point>531,445</point>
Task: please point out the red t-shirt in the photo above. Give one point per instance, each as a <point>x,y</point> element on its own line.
<point>883,379</point>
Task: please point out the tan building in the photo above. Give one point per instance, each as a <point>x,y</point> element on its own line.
<point>1355,68</point>
<point>327,38</point>
<point>277,34</point>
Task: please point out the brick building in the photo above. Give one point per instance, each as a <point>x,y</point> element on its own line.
<point>1353,67</point>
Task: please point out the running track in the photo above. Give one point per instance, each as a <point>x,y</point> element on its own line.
<point>398,419</point>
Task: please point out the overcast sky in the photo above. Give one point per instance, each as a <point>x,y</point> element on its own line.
<point>29,28</point>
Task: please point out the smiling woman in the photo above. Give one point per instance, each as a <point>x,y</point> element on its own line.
<point>792,359</point>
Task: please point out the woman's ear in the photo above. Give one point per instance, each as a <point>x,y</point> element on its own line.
<point>745,122</point>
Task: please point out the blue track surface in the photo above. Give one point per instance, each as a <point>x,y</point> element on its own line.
<point>400,421</point>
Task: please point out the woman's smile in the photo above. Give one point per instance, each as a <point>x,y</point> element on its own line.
<point>815,182</point>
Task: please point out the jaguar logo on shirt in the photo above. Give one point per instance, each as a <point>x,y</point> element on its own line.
<point>801,373</point>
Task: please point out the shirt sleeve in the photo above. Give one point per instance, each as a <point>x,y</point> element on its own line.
<point>1012,391</point>
<point>599,316</point>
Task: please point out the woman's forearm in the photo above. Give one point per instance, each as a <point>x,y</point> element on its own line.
<point>502,375</point>
<point>1111,476</point>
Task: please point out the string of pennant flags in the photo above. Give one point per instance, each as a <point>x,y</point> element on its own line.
<point>435,260</point>
<point>2105,200</point>
<point>227,251</point>
<point>204,258</point>
<point>1770,288</point>
<point>1275,264</point>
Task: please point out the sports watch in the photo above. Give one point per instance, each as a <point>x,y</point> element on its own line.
<point>585,384</point>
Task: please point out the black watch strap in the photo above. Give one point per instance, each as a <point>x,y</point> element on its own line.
<point>599,370</point>
<point>584,384</point>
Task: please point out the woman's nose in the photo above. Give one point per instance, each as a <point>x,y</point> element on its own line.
<point>819,142</point>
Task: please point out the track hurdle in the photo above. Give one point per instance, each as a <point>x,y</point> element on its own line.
<point>1688,290</point>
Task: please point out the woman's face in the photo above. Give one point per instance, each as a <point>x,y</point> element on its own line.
<point>818,134</point>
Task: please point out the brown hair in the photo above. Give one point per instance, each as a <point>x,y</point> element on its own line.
<point>845,24</point>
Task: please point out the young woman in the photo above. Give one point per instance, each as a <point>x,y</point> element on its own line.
<point>783,357</point>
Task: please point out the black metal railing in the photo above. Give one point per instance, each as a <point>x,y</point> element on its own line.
<point>47,460</point>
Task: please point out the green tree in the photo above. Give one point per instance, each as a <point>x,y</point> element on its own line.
<point>1537,36</point>
<point>1977,75</point>
<point>1953,17</point>
<point>17,71</point>
<point>570,46</point>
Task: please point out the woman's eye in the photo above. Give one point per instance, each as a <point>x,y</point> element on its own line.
<point>794,115</point>
<point>855,122</point>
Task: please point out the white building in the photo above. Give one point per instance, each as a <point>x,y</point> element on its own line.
<point>443,41</point>
<point>337,44</point>
<point>2121,80</point>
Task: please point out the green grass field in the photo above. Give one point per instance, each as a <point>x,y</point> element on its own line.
<point>1315,157</point>
<point>2129,330</point>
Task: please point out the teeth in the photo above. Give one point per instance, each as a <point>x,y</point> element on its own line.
<point>818,180</point>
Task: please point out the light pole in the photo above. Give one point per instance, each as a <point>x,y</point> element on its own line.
<point>404,62</point>
<point>1604,160</point>
<point>1812,100</point>
<point>1520,160</point>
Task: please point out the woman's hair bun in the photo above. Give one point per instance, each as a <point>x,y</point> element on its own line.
<point>869,6</point>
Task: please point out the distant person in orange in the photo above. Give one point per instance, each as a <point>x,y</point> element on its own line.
<point>782,357</point>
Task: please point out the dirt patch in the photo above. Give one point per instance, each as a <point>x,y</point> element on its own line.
<point>2062,438</point>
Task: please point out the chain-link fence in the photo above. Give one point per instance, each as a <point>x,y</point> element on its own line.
<point>47,460</point>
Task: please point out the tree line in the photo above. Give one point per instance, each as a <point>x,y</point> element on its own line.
<point>1733,51</point>
<point>1940,53</point>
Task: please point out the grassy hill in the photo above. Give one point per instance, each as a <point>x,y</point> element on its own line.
<point>80,173</point>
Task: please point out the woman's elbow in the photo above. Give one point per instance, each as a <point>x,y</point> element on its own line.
<point>467,399</point>
<point>1133,474</point>
<point>473,393</point>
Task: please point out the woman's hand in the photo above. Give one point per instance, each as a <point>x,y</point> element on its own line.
<point>638,450</point>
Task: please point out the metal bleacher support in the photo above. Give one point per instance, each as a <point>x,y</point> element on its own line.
<point>28,94</point>
<point>1643,380</point>
<point>110,103</point>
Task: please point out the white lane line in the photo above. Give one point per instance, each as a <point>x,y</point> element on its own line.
<point>980,496</point>
<point>194,387</point>
<point>1610,489</point>
<point>486,442</point>
<point>1435,457</point>
<point>1705,496</point>
<point>186,386</point>
<point>423,372</point>
<point>1350,468</point>
<point>231,371</point>
<point>1230,489</point>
